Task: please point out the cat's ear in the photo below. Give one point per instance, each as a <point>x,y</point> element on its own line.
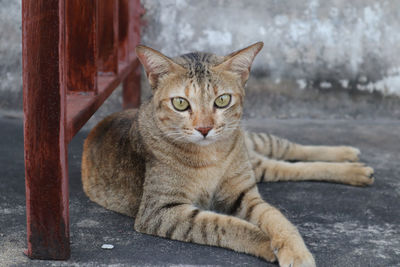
<point>240,61</point>
<point>155,64</point>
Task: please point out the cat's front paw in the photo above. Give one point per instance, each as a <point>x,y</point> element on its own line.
<point>266,252</point>
<point>357,174</point>
<point>290,255</point>
<point>347,153</point>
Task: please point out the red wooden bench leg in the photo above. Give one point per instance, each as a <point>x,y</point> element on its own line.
<point>131,90</point>
<point>45,148</point>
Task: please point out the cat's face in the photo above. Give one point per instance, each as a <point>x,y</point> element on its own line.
<point>198,111</point>
<point>198,97</point>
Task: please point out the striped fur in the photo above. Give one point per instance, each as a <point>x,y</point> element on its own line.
<point>154,166</point>
<point>269,155</point>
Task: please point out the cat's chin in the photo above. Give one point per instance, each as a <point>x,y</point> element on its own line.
<point>204,142</point>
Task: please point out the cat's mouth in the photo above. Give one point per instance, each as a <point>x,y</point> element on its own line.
<point>202,139</point>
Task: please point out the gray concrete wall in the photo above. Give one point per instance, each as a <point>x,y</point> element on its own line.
<point>10,55</point>
<point>318,43</point>
<point>318,55</point>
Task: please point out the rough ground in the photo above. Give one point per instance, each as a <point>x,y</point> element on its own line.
<point>342,225</point>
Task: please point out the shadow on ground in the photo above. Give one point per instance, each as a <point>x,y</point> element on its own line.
<point>342,225</point>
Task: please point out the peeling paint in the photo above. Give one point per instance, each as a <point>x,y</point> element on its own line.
<point>281,20</point>
<point>390,84</point>
<point>325,85</point>
<point>302,83</point>
<point>262,30</point>
<point>218,37</point>
<point>186,32</point>
<point>344,83</point>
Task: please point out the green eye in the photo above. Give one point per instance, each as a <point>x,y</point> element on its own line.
<point>180,104</point>
<point>223,101</point>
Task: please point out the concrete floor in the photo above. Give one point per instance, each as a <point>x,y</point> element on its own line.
<point>342,225</point>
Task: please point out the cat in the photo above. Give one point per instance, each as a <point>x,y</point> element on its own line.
<point>184,169</point>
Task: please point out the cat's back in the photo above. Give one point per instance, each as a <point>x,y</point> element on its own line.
<point>114,127</point>
<point>112,168</point>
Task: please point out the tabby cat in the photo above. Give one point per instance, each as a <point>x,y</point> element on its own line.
<point>185,170</point>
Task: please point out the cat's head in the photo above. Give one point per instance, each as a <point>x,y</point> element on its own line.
<point>198,97</point>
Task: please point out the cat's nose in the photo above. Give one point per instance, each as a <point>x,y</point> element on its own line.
<point>204,130</point>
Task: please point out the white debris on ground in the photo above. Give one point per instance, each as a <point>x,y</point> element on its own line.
<point>107,246</point>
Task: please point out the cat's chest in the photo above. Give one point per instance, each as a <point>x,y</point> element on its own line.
<point>207,181</point>
<point>205,185</point>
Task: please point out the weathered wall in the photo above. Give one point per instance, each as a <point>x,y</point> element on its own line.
<point>321,57</point>
<point>319,43</point>
<point>10,55</point>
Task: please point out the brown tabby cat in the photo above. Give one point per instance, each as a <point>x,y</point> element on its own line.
<point>185,170</point>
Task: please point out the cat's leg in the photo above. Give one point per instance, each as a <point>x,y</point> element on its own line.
<point>185,222</point>
<point>280,148</point>
<point>244,201</point>
<point>268,170</point>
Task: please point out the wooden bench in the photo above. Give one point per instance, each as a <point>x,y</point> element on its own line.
<point>75,53</point>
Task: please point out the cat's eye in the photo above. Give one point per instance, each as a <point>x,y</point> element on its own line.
<point>180,104</point>
<point>223,101</point>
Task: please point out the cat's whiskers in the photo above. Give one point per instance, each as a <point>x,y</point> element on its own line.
<point>175,134</point>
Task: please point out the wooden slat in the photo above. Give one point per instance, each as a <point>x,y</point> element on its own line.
<point>44,141</point>
<point>81,45</point>
<point>123,25</point>
<point>108,36</point>
<point>131,90</point>
<point>135,12</point>
<point>80,107</point>
<point>131,86</point>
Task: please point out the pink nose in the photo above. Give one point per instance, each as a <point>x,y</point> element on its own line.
<point>204,130</point>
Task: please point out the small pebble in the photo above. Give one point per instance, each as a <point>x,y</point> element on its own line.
<point>107,246</point>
